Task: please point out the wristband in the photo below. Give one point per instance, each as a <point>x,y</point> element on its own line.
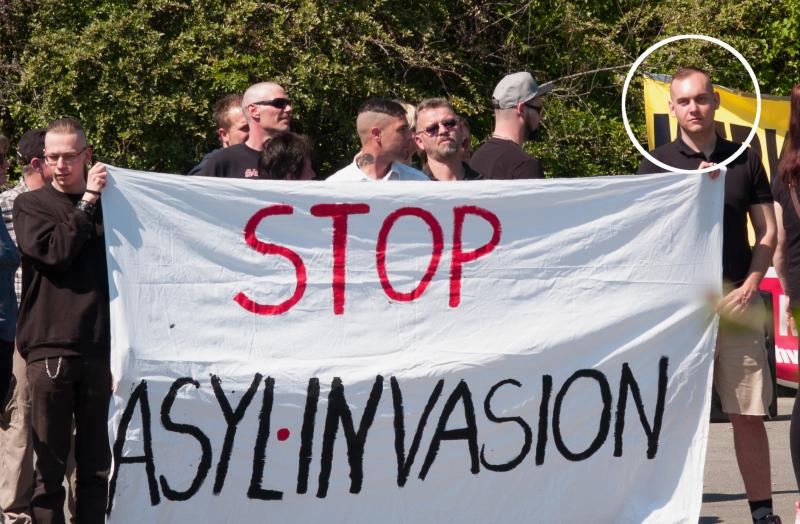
<point>92,192</point>
<point>86,207</point>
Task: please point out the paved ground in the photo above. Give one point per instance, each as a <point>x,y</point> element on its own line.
<point>723,493</point>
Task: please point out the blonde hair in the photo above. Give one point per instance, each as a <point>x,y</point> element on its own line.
<point>411,112</point>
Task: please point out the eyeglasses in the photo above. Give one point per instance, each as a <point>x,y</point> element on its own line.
<point>278,103</point>
<point>68,158</point>
<point>433,129</point>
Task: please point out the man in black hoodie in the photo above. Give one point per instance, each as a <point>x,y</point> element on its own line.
<point>63,329</point>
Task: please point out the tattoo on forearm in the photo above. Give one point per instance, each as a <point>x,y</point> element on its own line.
<point>365,160</point>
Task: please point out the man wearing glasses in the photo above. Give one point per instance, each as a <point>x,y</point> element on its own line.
<point>268,112</point>
<point>517,112</point>
<point>384,132</point>
<point>440,133</point>
<point>63,330</point>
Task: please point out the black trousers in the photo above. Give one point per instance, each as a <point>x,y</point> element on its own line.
<point>60,389</point>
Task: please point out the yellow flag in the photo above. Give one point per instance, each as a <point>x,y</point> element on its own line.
<point>734,119</point>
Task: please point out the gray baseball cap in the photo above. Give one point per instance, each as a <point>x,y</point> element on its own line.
<point>517,88</point>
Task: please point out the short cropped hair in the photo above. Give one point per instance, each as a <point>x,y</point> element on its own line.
<point>382,105</point>
<point>67,125</point>
<point>283,156</point>
<point>432,103</point>
<point>684,72</point>
<point>223,107</point>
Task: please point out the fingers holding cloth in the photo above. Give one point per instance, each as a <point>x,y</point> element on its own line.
<point>96,180</point>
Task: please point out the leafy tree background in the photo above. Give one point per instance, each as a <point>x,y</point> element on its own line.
<point>143,74</point>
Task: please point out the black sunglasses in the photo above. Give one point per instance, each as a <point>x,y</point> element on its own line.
<point>279,103</point>
<point>433,129</point>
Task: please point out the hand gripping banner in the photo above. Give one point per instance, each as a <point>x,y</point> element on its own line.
<point>534,351</point>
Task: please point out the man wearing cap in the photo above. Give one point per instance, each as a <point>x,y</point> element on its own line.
<point>741,372</point>
<point>16,452</point>
<point>268,112</point>
<point>517,112</point>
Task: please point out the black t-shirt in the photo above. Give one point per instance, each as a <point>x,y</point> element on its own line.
<point>469,173</point>
<point>500,159</point>
<point>239,161</point>
<point>791,224</point>
<point>745,185</point>
<point>200,167</point>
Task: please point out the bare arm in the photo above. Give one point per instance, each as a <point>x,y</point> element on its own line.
<point>779,258</point>
<point>763,218</point>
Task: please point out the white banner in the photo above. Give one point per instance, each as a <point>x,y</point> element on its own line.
<point>534,351</point>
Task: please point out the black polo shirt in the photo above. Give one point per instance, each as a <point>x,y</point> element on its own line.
<point>745,185</point>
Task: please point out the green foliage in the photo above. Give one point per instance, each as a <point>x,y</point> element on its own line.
<point>143,74</point>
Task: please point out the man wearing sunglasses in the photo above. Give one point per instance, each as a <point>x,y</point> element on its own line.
<point>268,112</point>
<point>440,134</point>
<point>385,134</point>
<point>517,102</point>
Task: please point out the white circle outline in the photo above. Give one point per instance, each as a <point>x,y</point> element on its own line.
<point>662,43</point>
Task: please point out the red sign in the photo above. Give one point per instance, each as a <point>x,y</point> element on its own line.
<point>785,335</point>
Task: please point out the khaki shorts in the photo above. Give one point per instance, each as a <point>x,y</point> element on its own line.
<point>741,370</point>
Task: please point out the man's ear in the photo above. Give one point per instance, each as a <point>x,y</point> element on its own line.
<point>671,108</point>
<point>252,111</point>
<point>716,100</point>
<point>520,109</point>
<point>36,164</point>
<point>89,156</point>
<point>222,133</point>
<point>375,133</point>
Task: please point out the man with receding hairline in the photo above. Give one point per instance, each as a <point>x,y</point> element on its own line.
<point>384,133</point>
<point>268,112</point>
<point>741,372</point>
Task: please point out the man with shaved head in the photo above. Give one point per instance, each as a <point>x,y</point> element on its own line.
<point>268,112</point>
<point>385,134</point>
